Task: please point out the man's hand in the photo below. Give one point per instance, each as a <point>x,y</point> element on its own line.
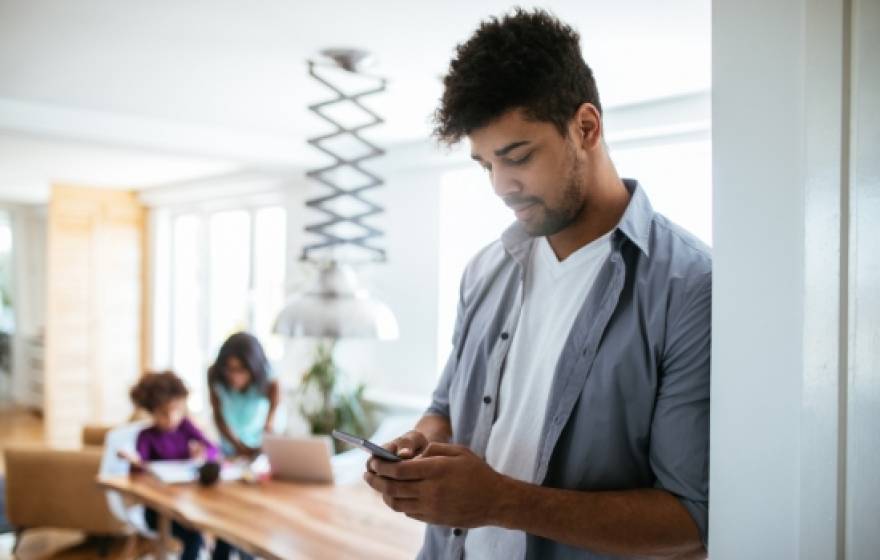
<point>446,485</point>
<point>408,445</point>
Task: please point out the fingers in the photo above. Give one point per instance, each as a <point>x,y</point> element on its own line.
<point>435,449</point>
<point>393,488</point>
<point>419,467</point>
<point>401,505</point>
<point>373,461</point>
<point>407,446</point>
<point>132,458</point>
<point>413,469</point>
<point>410,444</point>
<point>399,496</point>
<point>196,450</point>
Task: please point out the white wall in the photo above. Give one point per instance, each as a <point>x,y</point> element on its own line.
<point>29,284</point>
<point>794,385</point>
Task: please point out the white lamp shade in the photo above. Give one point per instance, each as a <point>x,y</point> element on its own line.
<point>336,307</point>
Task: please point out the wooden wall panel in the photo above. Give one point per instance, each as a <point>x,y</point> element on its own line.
<point>95,301</point>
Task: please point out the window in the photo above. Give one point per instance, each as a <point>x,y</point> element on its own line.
<point>226,274</point>
<point>677,177</point>
<point>471,217</point>
<point>7,311</point>
<point>186,286</point>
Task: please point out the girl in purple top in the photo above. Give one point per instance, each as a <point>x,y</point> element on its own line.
<point>171,437</point>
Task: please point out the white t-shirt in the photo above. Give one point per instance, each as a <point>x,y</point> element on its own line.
<point>554,293</point>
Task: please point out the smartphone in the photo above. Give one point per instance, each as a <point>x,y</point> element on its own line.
<point>366,445</point>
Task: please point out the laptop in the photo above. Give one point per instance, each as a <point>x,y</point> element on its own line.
<point>299,459</point>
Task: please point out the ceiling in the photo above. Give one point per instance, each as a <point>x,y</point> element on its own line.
<point>136,94</point>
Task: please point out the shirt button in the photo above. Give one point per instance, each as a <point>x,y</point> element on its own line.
<point>487,399</point>
<point>456,532</point>
<point>504,336</point>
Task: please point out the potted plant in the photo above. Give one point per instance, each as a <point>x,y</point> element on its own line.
<point>329,401</point>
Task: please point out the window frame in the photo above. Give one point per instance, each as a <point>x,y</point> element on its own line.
<point>162,277</point>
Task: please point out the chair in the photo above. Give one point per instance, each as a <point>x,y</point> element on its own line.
<point>93,435</point>
<point>52,488</point>
<point>123,438</point>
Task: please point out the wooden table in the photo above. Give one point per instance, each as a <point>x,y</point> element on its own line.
<point>282,520</point>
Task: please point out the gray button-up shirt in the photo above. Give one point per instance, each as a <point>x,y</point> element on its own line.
<point>629,404</point>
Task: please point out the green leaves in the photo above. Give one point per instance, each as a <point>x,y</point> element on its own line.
<point>334,404</point>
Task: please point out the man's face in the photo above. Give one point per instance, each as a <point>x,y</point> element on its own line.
<point>534,170</point>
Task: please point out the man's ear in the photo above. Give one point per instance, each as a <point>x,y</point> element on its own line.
<point>586,127</point>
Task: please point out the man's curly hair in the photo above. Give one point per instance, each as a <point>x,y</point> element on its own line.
<point>156,389</point>
<point>528,60</point>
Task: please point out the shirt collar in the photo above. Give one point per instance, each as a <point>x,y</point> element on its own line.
<point>636,220</point>
<point>635,224</point>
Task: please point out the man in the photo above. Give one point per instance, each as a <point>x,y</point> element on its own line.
<point>572,419</point>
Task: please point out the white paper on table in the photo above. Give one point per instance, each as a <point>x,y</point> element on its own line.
<point>175,472</point>
<point>181,472</point>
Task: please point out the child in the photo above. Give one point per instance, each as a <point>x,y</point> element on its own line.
<point>170,437</point>
<point>244,395</point>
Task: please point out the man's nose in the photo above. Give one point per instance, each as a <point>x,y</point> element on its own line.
<point>504,182</point>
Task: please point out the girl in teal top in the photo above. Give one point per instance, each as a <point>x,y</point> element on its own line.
<point>244,395</point>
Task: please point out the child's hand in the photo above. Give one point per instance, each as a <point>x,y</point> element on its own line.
<point>241,449</point>
<point>253,452</point>
<point>197,450</point>
<point>132,458</point>
<point>269,427</point>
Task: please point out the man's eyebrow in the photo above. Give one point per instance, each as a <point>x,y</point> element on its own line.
<point>503,151</point>
<point>510,147</point>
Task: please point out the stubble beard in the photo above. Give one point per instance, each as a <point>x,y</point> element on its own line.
<point>570,207</point>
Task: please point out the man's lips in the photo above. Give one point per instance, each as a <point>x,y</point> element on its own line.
<point>522,209</point>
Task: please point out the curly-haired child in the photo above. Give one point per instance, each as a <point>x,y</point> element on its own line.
<point>172,436</point>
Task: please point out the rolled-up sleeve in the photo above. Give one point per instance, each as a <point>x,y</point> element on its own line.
<point>440,398</point>
<point>679,449</point>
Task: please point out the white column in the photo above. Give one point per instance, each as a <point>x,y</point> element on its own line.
<point>863,289</point>
<point>795,388</point>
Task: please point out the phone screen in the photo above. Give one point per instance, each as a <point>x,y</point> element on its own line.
<point>366,445</point>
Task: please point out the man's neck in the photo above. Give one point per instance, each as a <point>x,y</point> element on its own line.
<point>603,211</point>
